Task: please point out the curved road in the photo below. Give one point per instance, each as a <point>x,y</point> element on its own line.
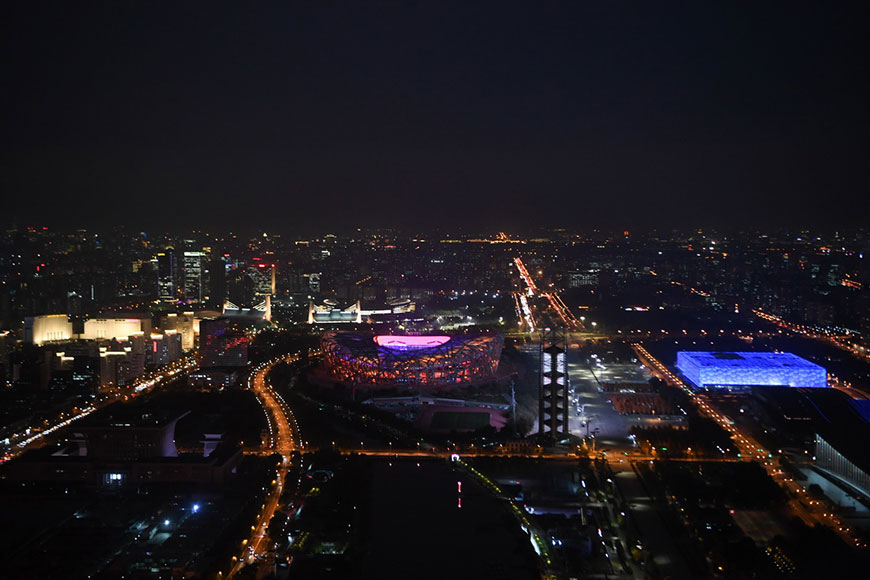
<point>283,439</point>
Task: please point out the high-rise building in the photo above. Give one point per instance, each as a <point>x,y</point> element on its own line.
<point>216,280</point>
<point>4,356</point>
<point>136,354</point>
<point>240,289</point>
<point>184,324</point>
<point>313,282</point>
<point>165,348</point>
<point>113,368</point>
<point>166,275</point>
<point>192,269</point>
<point>263,276</point>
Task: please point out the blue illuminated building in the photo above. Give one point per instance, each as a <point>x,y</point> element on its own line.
<point>741,370</point>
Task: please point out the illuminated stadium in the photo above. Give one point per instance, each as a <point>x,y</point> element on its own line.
<point>364,358</point>
<point>737,370</point>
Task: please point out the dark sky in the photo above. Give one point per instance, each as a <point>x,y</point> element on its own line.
<point>330,115</point>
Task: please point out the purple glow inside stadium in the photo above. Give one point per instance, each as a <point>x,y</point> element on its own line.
<point>410,342</point>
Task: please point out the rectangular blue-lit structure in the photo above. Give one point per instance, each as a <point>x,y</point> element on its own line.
<point>735,370</point>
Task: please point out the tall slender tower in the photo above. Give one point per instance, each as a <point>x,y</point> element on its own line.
<point>192,268</point>
<point>553,387</point>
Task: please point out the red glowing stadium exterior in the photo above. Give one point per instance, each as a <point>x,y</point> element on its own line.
<point>368,359</point>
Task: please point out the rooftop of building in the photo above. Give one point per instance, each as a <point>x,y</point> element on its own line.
<point>755,360</point>
<point>840,420</point>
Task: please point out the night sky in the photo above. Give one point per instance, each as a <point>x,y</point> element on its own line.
<point>330,115</point>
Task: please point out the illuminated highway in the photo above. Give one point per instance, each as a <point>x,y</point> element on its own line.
<point>284,440</point>
<point>751,450</point>
<point>524,312</point>
<point>527,278</point>
<point>571,321</point>
<point>838,340</point>
<point>553,301</point>
<point>614,457</point>
<point>35,435</point>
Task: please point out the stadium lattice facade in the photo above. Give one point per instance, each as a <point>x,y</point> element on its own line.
<point>368,359</point>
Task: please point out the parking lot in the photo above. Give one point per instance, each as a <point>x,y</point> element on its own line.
<point>590,408</point>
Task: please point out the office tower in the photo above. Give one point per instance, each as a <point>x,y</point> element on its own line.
<point>263,276</point>
<point>192,270</point>
<point>182,323</point>
<point>216,280</point>
<point>166,275</point>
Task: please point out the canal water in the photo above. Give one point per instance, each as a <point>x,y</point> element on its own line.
<point>424,526</point>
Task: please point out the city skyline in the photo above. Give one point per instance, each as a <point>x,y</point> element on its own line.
<point>240,405</point>
<point>399,289</point>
